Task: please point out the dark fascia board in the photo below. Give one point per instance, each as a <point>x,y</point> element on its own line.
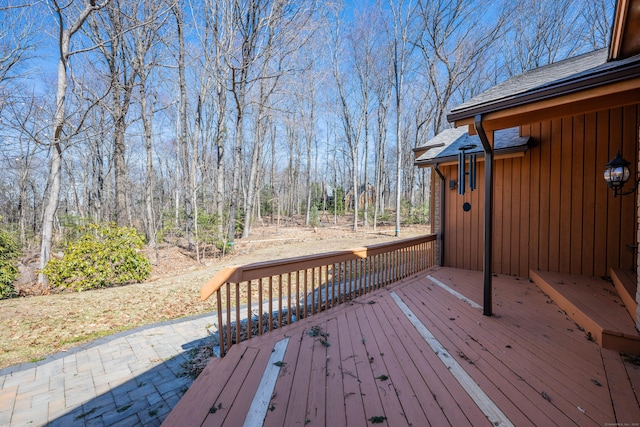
<point>418,151</point>
<point>427,147</point>
<point>626,71</point>
<point>449,159</point>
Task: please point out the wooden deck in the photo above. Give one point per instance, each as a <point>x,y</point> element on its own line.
<point>416,353</point>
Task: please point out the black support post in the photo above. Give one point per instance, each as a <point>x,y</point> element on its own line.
<point>488,216</point>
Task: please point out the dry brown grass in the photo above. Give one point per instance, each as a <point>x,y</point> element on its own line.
<point>33,327</point>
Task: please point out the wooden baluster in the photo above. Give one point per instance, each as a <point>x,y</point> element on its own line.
<point>220,325</point>
<point>289,298</point>
<point>270,303</point>
<point>228,315</point>
<point>306,291</point>
<point>313,291</point>
<point>260,304</point>
<point>379,269</point>
<point>297,300</point>
<point>237,313</point>
<point>279,300</point>
<point>324,299</point>
<point>364,265</point>
<point>349,270</point>
<point>249,310</point>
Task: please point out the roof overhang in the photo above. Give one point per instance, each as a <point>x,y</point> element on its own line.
<point>614,88</point>
<point>445,147</point>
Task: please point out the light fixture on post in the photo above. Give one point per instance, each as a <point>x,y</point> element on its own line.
<point>616,174</point>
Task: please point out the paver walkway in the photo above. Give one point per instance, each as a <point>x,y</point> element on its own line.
<point>127,379</point>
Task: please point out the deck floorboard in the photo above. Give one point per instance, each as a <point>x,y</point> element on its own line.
<point>493,373</point>
<point>366,361</point>
<point>558,385</point>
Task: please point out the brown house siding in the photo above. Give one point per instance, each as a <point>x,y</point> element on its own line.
<point>552,208</point>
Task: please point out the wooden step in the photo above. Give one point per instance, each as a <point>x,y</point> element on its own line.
<point>626,283</point>
<point>594,305</point>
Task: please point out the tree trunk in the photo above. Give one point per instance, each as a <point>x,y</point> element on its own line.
<point>185,161</point>
<point>120,169</point>
<point>150,226</point>
<point>237,167</point>
<point>51,205</point>
<point>253,178</point>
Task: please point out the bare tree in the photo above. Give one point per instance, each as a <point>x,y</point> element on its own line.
<point>364,44</point>
<point>187,146</point>
<point>222,43</point>
<point>382,89</point>
<point>263,28</point>
<point>68,26</point>
<point>110,32</point>
<point>25,127</point>
<point>147,60</point>
<point>453,40</point>
<point>308,118</point>
<point>351,118</point>
<point>289,31</point>
<point>266,87</point>
<point>18,37</point>
<point>18,30</point>
<point>540,32</point>
<point>124,35</point>
<point>597,16</point>
<point>399,38</point>
<point>262,125</point>
<point>248,21</point>
<point>213,30</point>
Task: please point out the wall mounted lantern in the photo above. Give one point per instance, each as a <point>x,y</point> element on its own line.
<point>616,174</point>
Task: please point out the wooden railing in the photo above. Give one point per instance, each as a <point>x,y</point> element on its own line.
<point>259,297</point>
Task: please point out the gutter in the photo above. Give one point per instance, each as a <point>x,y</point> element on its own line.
<point>566,87</point>
<point>488,215</point>
<point>441,230</point>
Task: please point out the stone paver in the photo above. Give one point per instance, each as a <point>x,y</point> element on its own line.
<point>128,379</point>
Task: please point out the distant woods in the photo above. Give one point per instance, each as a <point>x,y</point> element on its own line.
<point>197,120</point>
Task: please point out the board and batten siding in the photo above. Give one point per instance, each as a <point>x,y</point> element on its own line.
<point>552,208</point>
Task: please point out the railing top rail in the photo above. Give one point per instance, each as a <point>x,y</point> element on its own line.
<point>242,273</point>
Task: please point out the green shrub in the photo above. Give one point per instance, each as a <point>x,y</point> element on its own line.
<point>314,217</point>
<point>224,246</point>
<point>102,256</point>
<point>9,254</point>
